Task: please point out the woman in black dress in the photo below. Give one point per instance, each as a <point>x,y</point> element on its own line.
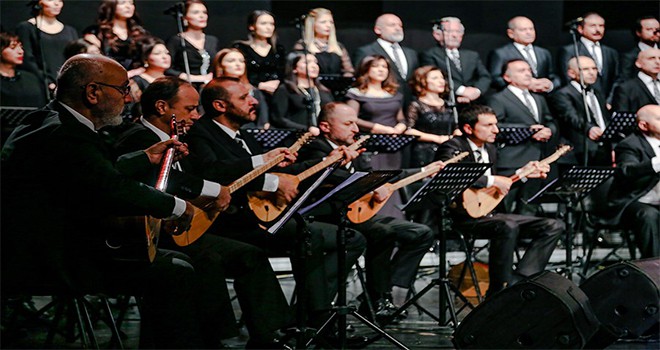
<point>265,59</point>
<point>45,31</point>
<point>117,32</point>
<point>428,116</point>
<point>199,46</point>
<point>155,58</point>
<point>17,88</point>
<point>297,103</point>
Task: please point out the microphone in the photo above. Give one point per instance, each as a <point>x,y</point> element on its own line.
<point>574,22</point>
<point>175,9</point>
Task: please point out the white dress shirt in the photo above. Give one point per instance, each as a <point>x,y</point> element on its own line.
<point>387,46</point>
<point>519,94</point>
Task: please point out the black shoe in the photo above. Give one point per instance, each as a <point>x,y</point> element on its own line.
<point>384,312</point>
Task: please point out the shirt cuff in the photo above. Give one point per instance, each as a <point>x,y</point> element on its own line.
<point>179,209</point>
<point>257,161</point>
<point>491,180</point>
<point>271,182</point>
<point>210,189</point>
<point>655,162</point>
<point>460,90</point>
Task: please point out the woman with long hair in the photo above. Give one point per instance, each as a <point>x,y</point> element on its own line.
<point>117,32</point>
<point>45,31</point>
<point>320,37</point>
<point>429,116</point>
<point>297,103</point>
<point>199,46</point>
<point>155,58</point>
<point>17,88</point>
<point>264,57</point>
<point>231,63</point>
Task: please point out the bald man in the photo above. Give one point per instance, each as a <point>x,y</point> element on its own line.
<point>642,90</point>
<point>568,108</point>
<point>521,31</point>
<point>59,187</point>
<point>403,60</point>
<point>635,193</point>
<point>647,35</point>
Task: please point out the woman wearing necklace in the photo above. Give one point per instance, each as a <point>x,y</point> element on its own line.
<point>320,37</point>
<point>117,32</point>
<point>200,47</point>
<point>231,63</point>
<point>429,115</point>
<point>17,88</point>
<point>264,57</point>
<point>297,103</point>
<point>54,35</point>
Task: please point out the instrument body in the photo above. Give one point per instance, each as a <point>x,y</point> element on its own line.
<point>265,205</point>
<point>366,207</point>
<point>479,202</point>
<point>202,220</point>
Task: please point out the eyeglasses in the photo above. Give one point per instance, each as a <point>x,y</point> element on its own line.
<point>123,89</point>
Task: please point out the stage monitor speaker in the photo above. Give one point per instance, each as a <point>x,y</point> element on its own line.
<point>546,311</point>
<point>626,296</point>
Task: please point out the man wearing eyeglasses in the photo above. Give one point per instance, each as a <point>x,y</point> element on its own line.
<point>59,187</point>
<point>470,77</point>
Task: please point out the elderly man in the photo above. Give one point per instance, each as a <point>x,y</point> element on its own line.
<point>642,90</point>
<point>469,75</point>
<point>403,60</point>
<point>635,193</point>
<point>568,107</point>
<point>517,106</point>
<point>522,33</point>
<point>647,35</point>
<point>592,31</point>
<point>59,186</point>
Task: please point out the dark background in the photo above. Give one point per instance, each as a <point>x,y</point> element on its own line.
<point>485,21</point>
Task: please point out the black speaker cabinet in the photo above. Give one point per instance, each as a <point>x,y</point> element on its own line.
<point>626,295</point>
<point>545,312</point>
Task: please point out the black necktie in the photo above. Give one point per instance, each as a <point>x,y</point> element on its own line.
<point>478,156</point>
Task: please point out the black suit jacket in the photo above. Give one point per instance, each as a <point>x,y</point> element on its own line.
<point>606,79</point>
<point>568,109</point>
<point>501,55</point>
<point>59,183</point>
<point>473,72</point>
<point>628,68</point>
<point>634,175</point>
<point>411,57</point>
<point>631,96</point>
<point>289,109</point>
<point>513,112</point>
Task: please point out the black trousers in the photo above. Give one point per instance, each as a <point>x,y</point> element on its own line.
<point>503,231</point>
<point>644,220</point>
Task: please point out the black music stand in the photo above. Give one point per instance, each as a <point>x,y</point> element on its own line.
<point>570,188</point>
<point>336,202</point>
<point>272,138</point>
<point>440,192</point>
<point>11,117</point>
<point>338,84</point>
<point>621,125</point>
<point>513,135</point>
<point>387,143</point>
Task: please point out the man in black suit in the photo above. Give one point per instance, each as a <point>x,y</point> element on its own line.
<point>479,126</point>
<point>469,75</point>
<point>228,105</point>
<point>264,306</point>
<point>647,35</point>
<point>635,193</point>
<point>592,30</point>
<point>385,272</point>
<point>568,107</point>
<point>522,33</point>
<point>57,167</point>
<point>642,90</point>
<point>403,60</point>
<point>516,106</point>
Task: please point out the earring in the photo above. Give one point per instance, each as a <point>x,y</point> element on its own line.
<point>185,22</point>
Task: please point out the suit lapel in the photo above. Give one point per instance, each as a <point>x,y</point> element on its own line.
<point>223,140</point>
<point>516,102</point>
<point>643,87</point>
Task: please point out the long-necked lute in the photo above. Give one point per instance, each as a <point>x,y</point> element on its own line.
<point>366,207</point>
<point>480,202</point>
<point>202,219</point>
<point>265,205</point>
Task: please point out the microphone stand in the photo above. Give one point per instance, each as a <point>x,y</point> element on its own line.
<point>583,92</point>
<point>178,15</point>
<point>309,100</point>
<point>44,73</point>
<point>452,95</point>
